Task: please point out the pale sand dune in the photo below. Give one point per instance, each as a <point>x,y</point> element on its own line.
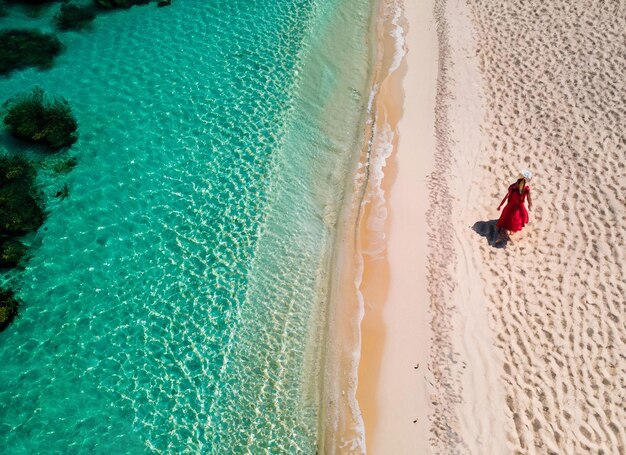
<point>554,87</point>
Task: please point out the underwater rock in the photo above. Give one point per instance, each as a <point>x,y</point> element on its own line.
<point>162,3</point>
<point>33,118</point>
<point>74,17</point>
<point>8,308</point>
<point>23,48</point>
<point>63,192</point>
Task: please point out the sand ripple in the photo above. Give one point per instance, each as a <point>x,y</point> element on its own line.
<point>555,101</point>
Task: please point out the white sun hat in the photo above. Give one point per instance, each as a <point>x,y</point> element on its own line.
<point>526,174</point>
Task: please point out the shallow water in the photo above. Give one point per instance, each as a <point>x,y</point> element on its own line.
<point>174,298</point>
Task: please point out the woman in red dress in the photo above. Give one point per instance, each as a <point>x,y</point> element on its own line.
<point>515,216</point>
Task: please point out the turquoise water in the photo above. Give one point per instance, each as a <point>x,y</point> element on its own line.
<point>175,299</point>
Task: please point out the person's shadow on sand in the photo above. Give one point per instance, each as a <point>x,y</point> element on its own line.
<point>489,230</point>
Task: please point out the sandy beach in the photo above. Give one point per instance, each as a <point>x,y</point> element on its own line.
<point>395,331</point>
<point>473,347</point>
<point>555,103</point>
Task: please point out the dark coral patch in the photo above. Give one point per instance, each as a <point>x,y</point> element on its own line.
<point>31,2</point>
<point>12,253</point>
<point>21,210</point>
<point>24,48</point>
<point>74,17</point>
<point>33,118</point>
<point>120,4</point>
<point>8,308</point>
<point>16,171</point>
<point>20,213</point>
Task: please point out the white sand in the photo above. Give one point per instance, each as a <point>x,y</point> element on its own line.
<point>469,401</point>
<point>524,346</point>
<point>555,102</point>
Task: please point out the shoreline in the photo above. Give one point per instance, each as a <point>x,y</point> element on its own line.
<point>361,235</point>
<point>378,286</point>
<point>393,392</point>
<point>427,320</point>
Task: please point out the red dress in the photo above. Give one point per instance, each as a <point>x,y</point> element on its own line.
<point>514,215</point>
